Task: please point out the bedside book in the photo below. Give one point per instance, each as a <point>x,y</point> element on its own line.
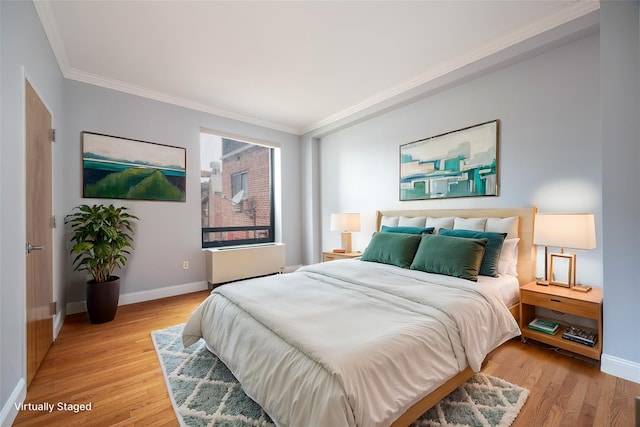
<point>580,336</point>
<point>545,326</point>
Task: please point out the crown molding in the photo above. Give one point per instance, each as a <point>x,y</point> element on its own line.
<point>120,86</point>
<point>48,21</point>
<point>47,18</point>
<point>581,8</point>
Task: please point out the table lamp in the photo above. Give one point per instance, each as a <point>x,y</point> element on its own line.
<point>345,223</point>
<point>574,231</point>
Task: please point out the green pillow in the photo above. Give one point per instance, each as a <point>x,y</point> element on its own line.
<point>452,256</point>
<point>489,266</point>
<point>392,248</point>
<point>407,230</point>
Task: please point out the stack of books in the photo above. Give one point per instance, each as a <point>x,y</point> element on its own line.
<point>580,336</point>
<point>545,326</point>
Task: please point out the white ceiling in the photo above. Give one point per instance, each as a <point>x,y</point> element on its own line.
<point>294,66</point>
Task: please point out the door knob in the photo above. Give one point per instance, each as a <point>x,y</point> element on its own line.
<point>31,247</point>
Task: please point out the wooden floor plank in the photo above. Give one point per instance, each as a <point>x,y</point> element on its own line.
<point>114,367</point>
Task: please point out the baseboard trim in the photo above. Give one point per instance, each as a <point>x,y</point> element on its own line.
<point>622,368</point>
<point>10,409</point>
<point>152,294</point>
<point>58,321</point>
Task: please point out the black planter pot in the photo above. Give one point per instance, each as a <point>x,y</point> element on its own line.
<point>102,300</point>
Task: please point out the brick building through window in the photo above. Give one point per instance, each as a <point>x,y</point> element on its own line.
<point>237,194</point>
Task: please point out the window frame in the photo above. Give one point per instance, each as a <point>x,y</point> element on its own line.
<point>270,228</point>
<point>244,184</point>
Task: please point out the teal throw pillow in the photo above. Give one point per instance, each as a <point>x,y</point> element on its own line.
<point>491,258</point>
<point>452,256</point>
<point>407,230</point>
<point>392,248</point>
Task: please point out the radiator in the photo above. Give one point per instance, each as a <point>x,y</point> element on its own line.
<point>243,262</point>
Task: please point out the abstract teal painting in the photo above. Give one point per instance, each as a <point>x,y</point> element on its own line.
<point>462,163</point>
<point>120,168</point>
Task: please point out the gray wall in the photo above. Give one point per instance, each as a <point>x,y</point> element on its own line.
<point>569,125</point>
<point>168,232</point>
<point>24,50</point>
<point>549,153</point>
<point>569,142</point>
<point>620,89</point>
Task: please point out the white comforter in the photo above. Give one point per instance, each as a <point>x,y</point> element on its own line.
<point>348,342</point>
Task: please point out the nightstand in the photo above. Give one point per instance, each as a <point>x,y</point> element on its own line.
<point>564,300</point>
<point>332,256</point>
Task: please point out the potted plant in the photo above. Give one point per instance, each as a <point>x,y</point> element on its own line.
<point>102,237</point>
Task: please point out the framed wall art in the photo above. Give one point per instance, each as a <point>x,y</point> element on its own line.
<point>120,168</point>
<point>462,163</point>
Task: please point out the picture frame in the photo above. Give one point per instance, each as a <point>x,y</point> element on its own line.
<point>561,270</point>
<point>120,168</point>
<point>461,163</point>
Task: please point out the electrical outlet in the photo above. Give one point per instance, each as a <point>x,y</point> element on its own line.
<point>185,265</point>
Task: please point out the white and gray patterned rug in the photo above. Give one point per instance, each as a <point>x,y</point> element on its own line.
<point>205,393</point>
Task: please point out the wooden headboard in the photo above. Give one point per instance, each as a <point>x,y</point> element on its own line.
<point>526,250</point>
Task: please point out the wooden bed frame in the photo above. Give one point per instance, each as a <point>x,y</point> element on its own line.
<point>526,273</point>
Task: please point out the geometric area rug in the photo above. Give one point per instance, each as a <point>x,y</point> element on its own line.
<point>205,393</point>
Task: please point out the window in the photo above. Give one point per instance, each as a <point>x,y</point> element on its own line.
<point>239,187</point>
<point>236,187</point>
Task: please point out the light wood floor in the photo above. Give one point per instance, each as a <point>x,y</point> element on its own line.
<point>114,367</point>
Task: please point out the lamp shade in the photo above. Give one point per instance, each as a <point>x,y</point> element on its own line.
<point>575,231</point>
<point>345,222</point>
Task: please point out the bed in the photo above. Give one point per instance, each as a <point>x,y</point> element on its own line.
<point>369,343</point>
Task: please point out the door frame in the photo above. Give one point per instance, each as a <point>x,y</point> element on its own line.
<point>23,203</point>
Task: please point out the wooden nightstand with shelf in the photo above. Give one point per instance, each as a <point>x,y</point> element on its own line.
<point>564,300</point>
<point>332,256</point>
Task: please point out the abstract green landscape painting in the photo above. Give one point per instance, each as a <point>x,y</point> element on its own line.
<point>120,168</point>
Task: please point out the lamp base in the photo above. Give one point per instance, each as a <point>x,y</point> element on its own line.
<point>346,241</point>
<point>581,288</point>
<point>542,283</point>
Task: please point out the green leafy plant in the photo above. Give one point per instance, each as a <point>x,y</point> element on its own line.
<point>102,237</point>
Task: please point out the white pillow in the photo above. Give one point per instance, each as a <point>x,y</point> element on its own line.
<point>475,224</point>
<point>406,221</point>
<point>438,223</point>
<point>503,225</point>
<point>508,262</point>
<point>389,221</point>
